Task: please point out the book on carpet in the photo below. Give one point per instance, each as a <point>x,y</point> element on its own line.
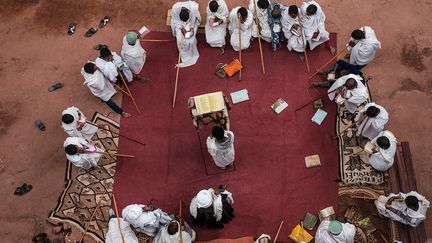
<point>312,161</point>
<point>300,235</point>
<point>239,96</point>
<point>367,225</point>
<point>310,221</point>
<point>326,213</point>
<point>319,116</point>
<point>279,106</point>
<point>211,102</point>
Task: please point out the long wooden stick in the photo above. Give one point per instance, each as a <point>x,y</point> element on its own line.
<point>130,93</point>
<point>180,222</point>
<point>177,72</point>
<point>259,37</point>
<point>118,217</point>
<point>240,45</point>
<point>361,197</point>
<point>310,102</point>
<point>88,225</point>
<point>116,133</point>
<point>115,155</point>
<point>122,90</point>
<point>303,41</point>
<point>277,234</point>
<point>350,126</point>
<point>148,40</point>
<point>319,70</point>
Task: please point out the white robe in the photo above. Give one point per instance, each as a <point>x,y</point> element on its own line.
<point>113,235</point>
<point>98,85</point>
<point>221,156</point>
<point>371,127</point>
<point>164,237</point>
<point>323,234</point>
<point>412,218</point>
<point>296,43</point>
<point>365,49</point>
<point>133,55</point>
<point>263,20</point>
<point>314,23</point>
<point>188,46</point>
<point>109,69</point>
<point>216,203</point>
<point>353,98</point>
<point>146,222</point>
<point>215,35</point>
<point>87,130</point>
<point>84,160</point>
<point>384,158</point>
<point>246,30</point>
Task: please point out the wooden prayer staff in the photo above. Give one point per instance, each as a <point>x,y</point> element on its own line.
<point>116,155</point>
<point>147,40</point>
<point>177,72</point>
<point>277,234</point>
<point>350,126</point>
<point>303,41</point>
<point>259,38</point>
<point>122,90</point>
<point>88,225</point>
<point>362,197</point>
<point>240,45</point>
<point>130,93</point>
<point>310,102</point>
<point>103,128</point>
<point>319,70</point>
<point>180,222</point>
<point>118,217</point>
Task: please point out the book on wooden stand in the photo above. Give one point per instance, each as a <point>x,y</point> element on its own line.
<point>208,103</point>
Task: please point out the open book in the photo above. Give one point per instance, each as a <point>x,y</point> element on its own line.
<point>208,103</point>
<point>279,106</point>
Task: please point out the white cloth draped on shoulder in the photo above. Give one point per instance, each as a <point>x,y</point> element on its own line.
<point>353,98</point>
<point>146,222</point>
<point>87,131</point>
<point>83,160</point>
<point>98,85</point>
<point>246,30</point>
<point>113,235</point>
<point>365,49</point>
<point>188,46</point>
<point>314,23</point>
<point>215,35</point>
<point>263,21</point>
<point>133,55</point>
<point>164,237</point>
<point>208,198</point>
<point>323,234</point>
<point>296,43</point>
<point>223,153</point>
<point>110,69</point>
<point>384,158</point>
<point>372,126</point>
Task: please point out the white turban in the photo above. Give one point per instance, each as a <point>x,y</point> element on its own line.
<point>204,199</point>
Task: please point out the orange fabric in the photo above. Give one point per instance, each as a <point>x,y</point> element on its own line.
<point>233,67</point>
<point>246,239</point>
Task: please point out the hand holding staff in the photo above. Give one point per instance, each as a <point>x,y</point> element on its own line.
<point>350,126</point>
<point>240,45</point>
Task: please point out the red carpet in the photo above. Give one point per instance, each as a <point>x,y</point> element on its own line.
<point>271,182</point>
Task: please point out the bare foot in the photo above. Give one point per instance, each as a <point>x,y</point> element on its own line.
<point>332,50</point>
<point>125,114</point>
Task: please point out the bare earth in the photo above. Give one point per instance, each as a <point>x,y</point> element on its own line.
<point>36,52</point>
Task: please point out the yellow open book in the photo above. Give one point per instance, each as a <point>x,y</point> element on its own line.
<point>207,103</point>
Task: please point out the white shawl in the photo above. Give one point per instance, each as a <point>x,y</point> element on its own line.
<point>113,235</point>
<point>294,42</point>
<point>384,158</point>
<point>98,85</point>
<point>263,20</point>
<point>221,156</point>
<point>164,237</point>
<point>371,127</point>
<point>85,160</point>
<point>314,23</point>
<point>133,55</point>
<point>216,202</point>
<point>323,234</point>
<point>355,97</point>
<point>215,36</point>
<point>87,130</point>
<point>109,69</point>
<point>246,30</point>
<point>364,51</point>
<point>146,222</point>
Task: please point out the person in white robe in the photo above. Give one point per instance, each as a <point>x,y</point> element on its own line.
<point>81,153</point>
<point>133,54</point>
<point>292,31</point>
<point>145,219</point>
<point>170,233</point>
<point>362,46</point>
<point>185,20</point>
<point>335,232</point>
<point>216,24</point>
<point>246,23</point>
<point>263,18</point>
<point>113,235</point>
<point>383,151</point>
<point>75,125</point>
<point>220,145</point>
<point>101,87</point>
<point>313,22</point>
<point>374,119</point>
<point>212,207</point>
<point>407,208</point>
<point>349,91</point>
<point>109,63</point>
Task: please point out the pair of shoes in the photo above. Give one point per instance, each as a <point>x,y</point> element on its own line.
<point>21,190</point>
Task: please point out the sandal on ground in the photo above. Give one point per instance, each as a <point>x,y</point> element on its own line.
<point>71,28</point>
<point>55,87</point>
<point>98,47</point>
<point>104,22</point>
<point>40,237</point>
<point>90,32</point>
<point>125,114</point>
<point>40,125</point>
<point>21,190</point>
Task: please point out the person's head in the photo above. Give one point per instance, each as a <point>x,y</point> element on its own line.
<point>383,142</point>
<point>412,202</point>
<point>351,84</point>
<point>358,34</point>
<point>335,227</point>
<point>263,4</point>
<point>243,13</point>
<point>276,13</point>
<point>213,6</point>
<point>311,10</point>
<point>293,11</point>
<point>218,132</point>
<point>131,38</point>
<point>106,54</point>
<point>372,111</point>
<point>184,14</point>
<point>90,67</point>
<point>71,149</point>
<point>67,118</point>
<point>172,228</point>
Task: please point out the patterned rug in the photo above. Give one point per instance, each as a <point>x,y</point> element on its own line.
<point>84,188</point>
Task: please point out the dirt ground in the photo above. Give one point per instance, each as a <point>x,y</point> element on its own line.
<point>36,52</point>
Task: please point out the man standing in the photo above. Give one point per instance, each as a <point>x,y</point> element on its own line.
<point>292,31</point>
<point>81,153</point>
<point>348,90</point>
<point>185,20</point>
<point>101,87</point>
<point>170,233</point>
<point>75,125</point>
<point>109,63</point>
<point>263,19</point>
<point>312,19</point>
<point>407,208</point>
<point>113,235</point>
<point>212,208</point>
<point>133,53</point>
<point>384,149</point>
<point>145,219</point>
<point>215,28</point>
<point>374,119</point>
<point>220,145</point>
<point>335,232</point>
<point>246,22</point>
<point>362,46</point>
